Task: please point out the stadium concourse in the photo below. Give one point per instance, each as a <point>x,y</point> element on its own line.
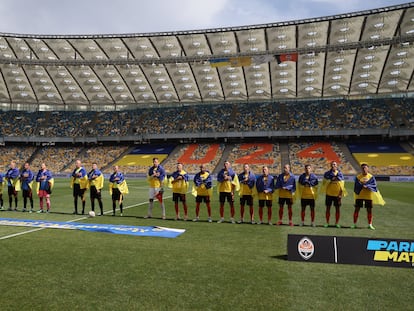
<point>307,91</point>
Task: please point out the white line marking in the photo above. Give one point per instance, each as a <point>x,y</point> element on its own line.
<point>73,220</point>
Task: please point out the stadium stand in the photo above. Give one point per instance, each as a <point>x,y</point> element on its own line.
<point>57,158</point>
<point>20,154</point>
<point>256,155</point>
<point>139,159</point>
<point>384,158</point>
<point>319,155</point>
<point>193,155</point>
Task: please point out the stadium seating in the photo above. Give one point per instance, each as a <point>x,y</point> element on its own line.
<point>193,155</point>
<point>383,158</point>
<point>319,155</point>
<point>256,155</point>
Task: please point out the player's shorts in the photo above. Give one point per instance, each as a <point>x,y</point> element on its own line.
<point>152,192</point>
<point>27,193</point>
<point>306,202</point>
<point>77,191</point>
<point>201,198</point>
<point>43,194</point>
<point>95,194</point>
<point>178,197</point>
<point>360,203</point>
<point>287,201</point>
<point>116,194</point>
<point>335,200</point>
<point>11,190</point>
<point>268,203</point>
<point>246,199</point>
<point>223,196</point>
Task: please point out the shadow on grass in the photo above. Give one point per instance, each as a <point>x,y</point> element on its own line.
<point>280,257</point>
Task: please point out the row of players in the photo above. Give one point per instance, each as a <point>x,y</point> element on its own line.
<point>246,183</point>
<point>264,187</point>
<point>17,181</point>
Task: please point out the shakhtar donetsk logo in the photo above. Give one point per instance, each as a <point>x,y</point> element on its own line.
<point>306,248</point>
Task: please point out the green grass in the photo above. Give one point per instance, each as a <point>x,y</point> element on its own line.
<point>209,267</point>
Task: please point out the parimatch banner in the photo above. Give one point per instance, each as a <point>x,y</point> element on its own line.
<point>351,250</point>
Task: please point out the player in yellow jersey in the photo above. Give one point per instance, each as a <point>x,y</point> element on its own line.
<point>265,187</point>
<point>286,186</point>
<point>156,176</point>
<point>307,189</point>
<point>366,192</point>
<point>203,185</point>
<point>228,182</point>
<point>247,183</point>
<point>334,188</point>
<point>179,185</point>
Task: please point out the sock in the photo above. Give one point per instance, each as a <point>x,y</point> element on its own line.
<point>208,209</point>
<point>269,214</point>
<point>251,213</point>
<point>356,217</point>
<point>302,215</point>
<point>197,209</point>
<point>369,216</point>
<point>185,210</point>
<point>150,207</point>
<point>241,211</point>
<point>327,215</point>
<point>337,215</point>
<point>176,210</point>
<point>280,213</point>
<point>163,209</point>
<point>261,213</point>
<point>221,211</point>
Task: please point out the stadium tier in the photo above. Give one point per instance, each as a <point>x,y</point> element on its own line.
<point>384,158</point>
<point>139,159</point>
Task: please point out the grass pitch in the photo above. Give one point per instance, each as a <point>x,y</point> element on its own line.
<point>210,267</point>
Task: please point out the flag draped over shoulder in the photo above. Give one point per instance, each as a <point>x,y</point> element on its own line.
<point>51,184</point>
<point>202,184</point>
<point>370,185</point>
<point>98,182</point>
<point>83,182</point>
<point>330,177</point>
<point>123,187</point>
<point>180,185</point>
<point>312,190</point>
<point>17,184</point>
<point>307,187</point>
<point>326,182</point>
<point>234,182</point>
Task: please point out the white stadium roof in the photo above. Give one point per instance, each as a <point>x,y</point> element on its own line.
<point>360,54</point>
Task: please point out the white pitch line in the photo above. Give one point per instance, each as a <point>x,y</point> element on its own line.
<point>73,220</point>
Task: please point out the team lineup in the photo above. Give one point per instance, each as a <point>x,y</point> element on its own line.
<point>263,188</point>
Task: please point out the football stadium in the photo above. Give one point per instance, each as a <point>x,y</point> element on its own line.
<point>84,116</point>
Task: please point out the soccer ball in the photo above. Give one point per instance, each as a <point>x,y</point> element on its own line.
<point>91,214</point>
